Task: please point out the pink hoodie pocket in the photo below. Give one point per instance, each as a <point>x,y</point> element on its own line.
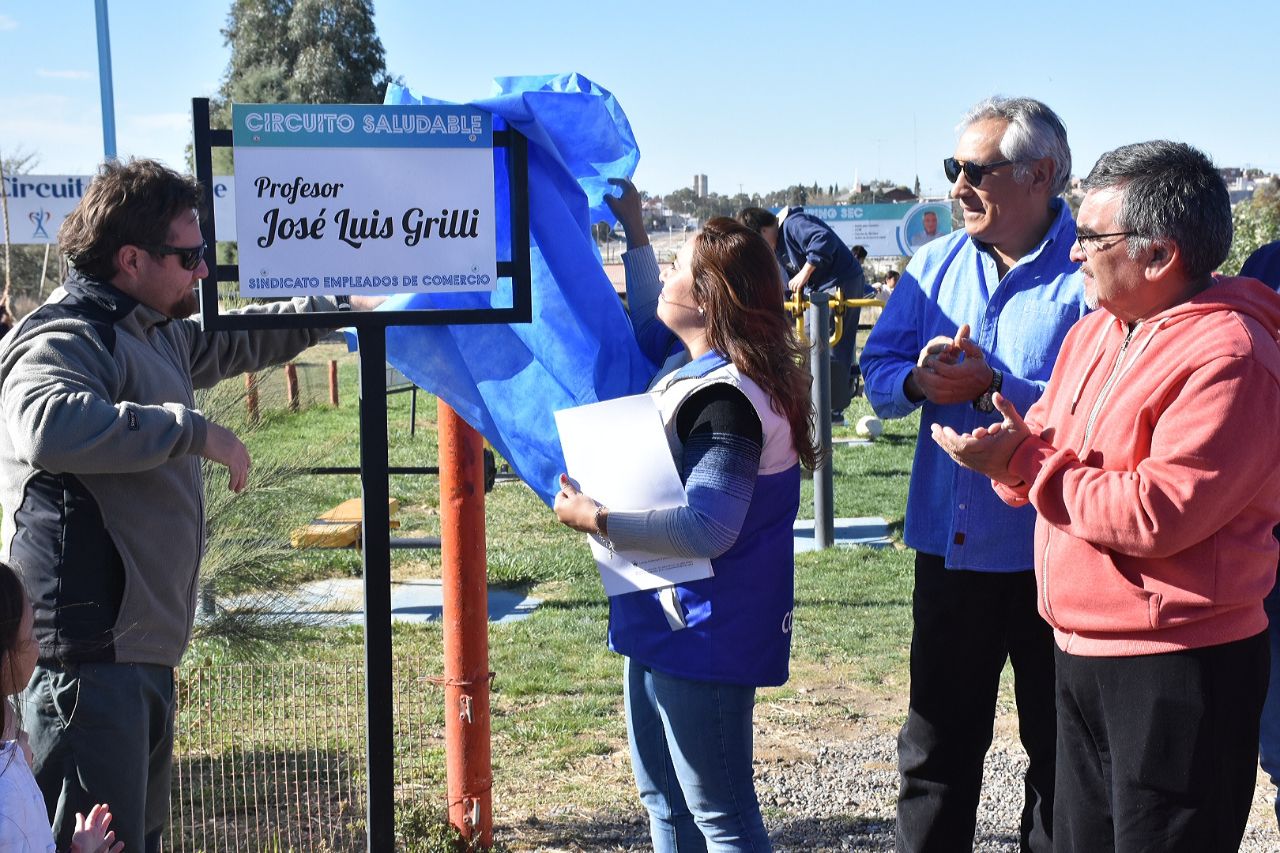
<point>1092,595</point>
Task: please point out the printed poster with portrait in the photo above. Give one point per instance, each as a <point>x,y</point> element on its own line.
<point>923,224</point>
<point>886,229</point>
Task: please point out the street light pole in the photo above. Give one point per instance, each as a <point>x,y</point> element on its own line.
<point>104,82</point>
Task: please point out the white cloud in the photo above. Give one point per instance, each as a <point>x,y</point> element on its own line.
<point>67,74</point>
<point>7,23</point>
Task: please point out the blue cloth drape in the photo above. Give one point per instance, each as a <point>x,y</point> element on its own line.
<point>507,380</point>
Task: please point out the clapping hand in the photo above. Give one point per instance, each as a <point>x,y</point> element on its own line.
<point>950,370</point>
<point>987,450</point>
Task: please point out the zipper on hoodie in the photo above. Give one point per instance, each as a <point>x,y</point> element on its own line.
<point>1106,388</point>
<point>1088,432</point>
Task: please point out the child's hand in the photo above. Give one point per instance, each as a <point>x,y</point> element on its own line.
<point>92,834</point>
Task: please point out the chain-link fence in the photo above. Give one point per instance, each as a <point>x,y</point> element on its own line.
<point>271,757</point>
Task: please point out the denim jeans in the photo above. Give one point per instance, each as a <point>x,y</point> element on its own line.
<point>1269,729</point>
<point>691,753</point>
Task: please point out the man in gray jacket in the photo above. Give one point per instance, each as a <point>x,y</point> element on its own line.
<point>101,487</point>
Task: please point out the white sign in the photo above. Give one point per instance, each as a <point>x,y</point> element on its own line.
<point>37,204</point>
<point>642,478</point>
<point>364,199</point>
<point>224,208</point>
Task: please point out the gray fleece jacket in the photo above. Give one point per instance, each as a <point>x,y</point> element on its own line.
<point>99,467</point>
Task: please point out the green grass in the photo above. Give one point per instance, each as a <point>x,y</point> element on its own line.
<point>556,702</point>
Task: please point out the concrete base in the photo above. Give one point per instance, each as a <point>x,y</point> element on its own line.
<point>847,532</point>
<point>341,602</point>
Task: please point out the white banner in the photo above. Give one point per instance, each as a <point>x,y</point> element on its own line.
<point>38,204</point>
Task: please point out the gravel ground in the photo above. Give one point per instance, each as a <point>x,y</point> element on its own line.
<point>839,797</point>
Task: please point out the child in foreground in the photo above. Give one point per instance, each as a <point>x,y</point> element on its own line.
<point>24,823</point>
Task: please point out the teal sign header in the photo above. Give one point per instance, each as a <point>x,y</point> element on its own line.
<point>359,126</point>
<point>854,212</point>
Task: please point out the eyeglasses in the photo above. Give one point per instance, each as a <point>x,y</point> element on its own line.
<point>1085,239</point>
<point>973,172</point>
<point>190,258</point>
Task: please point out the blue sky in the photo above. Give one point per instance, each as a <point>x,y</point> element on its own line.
<point>755,95</point>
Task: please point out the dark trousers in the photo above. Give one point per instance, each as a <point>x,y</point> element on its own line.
<point>103,733</point>
<point>966,625</point>
<point>1269,725</point>
<point>1158,753</point>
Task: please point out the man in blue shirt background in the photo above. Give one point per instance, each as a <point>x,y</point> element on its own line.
<point>813,256</point>
<point>977,311</point>
<point>1264,265</point>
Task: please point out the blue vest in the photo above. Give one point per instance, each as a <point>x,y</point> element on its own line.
<point>737,622</point>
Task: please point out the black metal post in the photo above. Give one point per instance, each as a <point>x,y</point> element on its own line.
<point>378,666</point>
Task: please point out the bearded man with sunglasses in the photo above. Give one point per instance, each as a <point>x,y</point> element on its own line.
<point>977,311</point>
<point>100,479</point>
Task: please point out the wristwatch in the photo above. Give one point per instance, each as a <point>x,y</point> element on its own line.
<point>983,402</point>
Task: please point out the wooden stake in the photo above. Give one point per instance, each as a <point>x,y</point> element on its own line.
<point>291,385</point>
<point>251,397</point>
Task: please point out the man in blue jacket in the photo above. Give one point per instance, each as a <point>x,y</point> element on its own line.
<point>1264,265</point>
<point>815,257</point>
<point>977,311</point>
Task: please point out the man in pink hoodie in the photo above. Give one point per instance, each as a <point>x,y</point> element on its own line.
<point>1151,461</point>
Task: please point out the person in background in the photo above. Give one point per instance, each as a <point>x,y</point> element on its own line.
<point>816,258</point>
<point>1264,265</point>
<point>885,289</point>
<point>738,423</point>
<point>978,311</point>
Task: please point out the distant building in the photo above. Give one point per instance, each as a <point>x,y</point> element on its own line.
<point>1242,183</point>
<point>700,186</point>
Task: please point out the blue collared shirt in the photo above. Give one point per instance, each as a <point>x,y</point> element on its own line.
<point>1019,322</point>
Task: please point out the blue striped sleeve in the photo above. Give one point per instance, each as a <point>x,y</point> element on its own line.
<point>722,440</point>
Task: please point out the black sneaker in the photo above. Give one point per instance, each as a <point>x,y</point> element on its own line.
<point>837,418</point>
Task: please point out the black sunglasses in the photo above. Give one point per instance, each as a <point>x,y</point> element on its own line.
<point>973,172</point>
<point>189,258</point>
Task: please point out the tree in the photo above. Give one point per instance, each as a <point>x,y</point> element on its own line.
<point>303,51</point>
<point>297,52</point>
<point>1256,221</point>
